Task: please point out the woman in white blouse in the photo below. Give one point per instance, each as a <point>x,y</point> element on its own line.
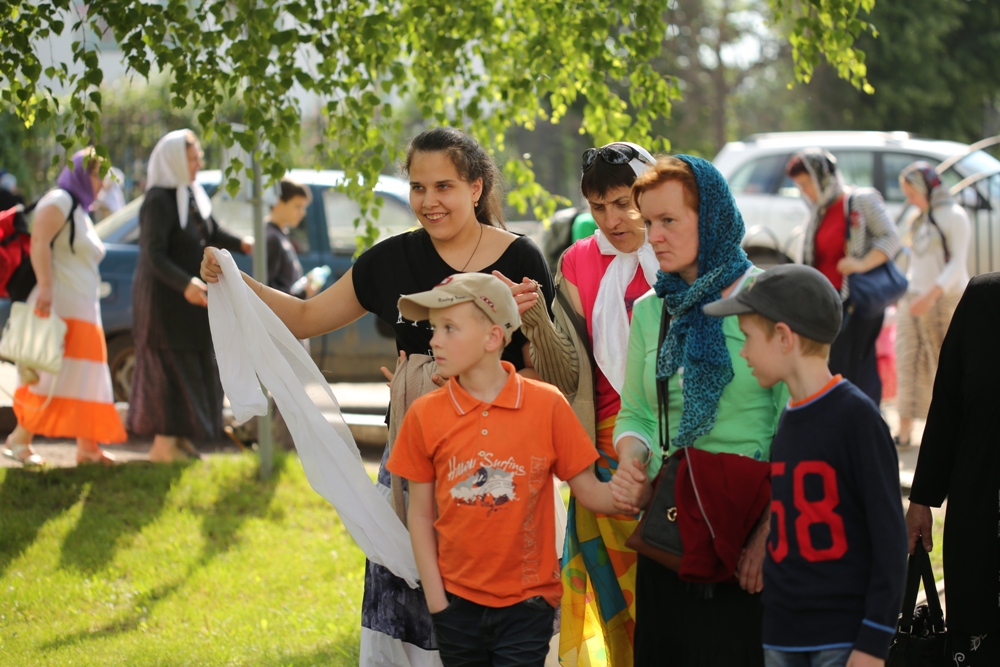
<point>938,274</point>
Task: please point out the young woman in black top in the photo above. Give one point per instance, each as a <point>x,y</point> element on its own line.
<point>454,192</point>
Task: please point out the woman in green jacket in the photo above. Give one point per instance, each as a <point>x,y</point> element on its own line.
<point>713,403</point>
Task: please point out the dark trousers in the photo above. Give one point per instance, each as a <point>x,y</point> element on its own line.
<point>471,635</point>
<point>853,354</point>
<point>681,624</point>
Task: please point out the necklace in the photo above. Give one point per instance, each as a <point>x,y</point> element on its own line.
<point>462,270</point>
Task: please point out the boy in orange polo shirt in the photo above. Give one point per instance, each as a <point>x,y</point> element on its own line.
<point>479,455</point>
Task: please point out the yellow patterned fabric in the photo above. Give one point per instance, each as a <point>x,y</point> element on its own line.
<point>598,575</point>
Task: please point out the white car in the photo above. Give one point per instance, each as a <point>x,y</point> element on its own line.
<point>775,213</point>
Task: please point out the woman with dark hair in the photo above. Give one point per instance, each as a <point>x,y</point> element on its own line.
<point>938,274</point>
<point>849,232</point>
<point>176,391</point>
<point>579,349</point>
<point>713,403</point>
<point>65,253</point>
<point>455,194</point>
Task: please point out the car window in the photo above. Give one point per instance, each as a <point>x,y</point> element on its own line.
<point>119,219</point>
<point>975,163</point>
<point>342,211</point>
<point>759,176</point>
<point>857,168</point>
<point>236,215</point>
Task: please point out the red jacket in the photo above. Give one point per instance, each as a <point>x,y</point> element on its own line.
<point>733,491</point>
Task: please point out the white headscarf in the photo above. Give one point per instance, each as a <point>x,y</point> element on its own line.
<point>112,195</point>
<point>168,168</point>
<point>610,319</point>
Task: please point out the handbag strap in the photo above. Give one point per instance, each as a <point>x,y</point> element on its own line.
<point>663,423</point>
<point>944,241</point>
<point>919,567</point>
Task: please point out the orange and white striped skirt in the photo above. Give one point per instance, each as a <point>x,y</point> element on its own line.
<point>82,400</point>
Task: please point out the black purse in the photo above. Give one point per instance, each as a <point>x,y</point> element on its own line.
<point>921,639</point>
<point>658,535</point>
<point>873,291</point>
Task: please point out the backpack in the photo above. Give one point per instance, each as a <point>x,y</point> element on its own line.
<point>17,275</point>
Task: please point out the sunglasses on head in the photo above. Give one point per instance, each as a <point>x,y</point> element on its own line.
<point>612,154</point>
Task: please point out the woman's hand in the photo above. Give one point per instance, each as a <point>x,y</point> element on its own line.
<point>210,269</point>
<point>923,303</point>
<point>849,265</point>
<point>436,378</point>
<point>631,488</point>
<point>43,301</point>
<point>874,258</point>
<point>525,292</point>
<point>196,293</point>
<point>246,245</point>
<point>919,521</point>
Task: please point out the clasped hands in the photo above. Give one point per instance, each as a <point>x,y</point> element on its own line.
<point>631,489</point>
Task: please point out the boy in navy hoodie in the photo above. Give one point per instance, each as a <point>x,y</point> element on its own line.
<point>836,561</point>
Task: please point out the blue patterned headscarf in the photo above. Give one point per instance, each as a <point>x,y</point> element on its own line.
<point>695,342</point>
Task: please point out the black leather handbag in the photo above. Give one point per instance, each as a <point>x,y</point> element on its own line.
<point>921,639</point>
<point>658,536</point>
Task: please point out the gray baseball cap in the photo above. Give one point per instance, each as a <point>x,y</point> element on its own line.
<point>798,295</point>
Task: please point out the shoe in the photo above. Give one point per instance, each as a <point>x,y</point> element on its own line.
<point>23,454</point>
<point>97,456</point>
<point>901,445</point>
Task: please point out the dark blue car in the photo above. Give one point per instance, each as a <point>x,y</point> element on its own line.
<point>326,236</point>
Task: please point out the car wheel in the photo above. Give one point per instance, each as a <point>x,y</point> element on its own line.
<point>121,363</point>
<point>765,258</point>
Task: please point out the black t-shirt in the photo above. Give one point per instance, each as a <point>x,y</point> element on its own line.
<point>408,263</point>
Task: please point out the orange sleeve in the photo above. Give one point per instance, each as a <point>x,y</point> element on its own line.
<point>409,458</point>
<point>573,448</point>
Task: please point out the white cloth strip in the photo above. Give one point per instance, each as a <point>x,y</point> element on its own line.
<point>610,322</point>
<point>250,343</point>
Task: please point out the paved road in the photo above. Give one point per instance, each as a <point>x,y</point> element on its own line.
<point>363,405</point>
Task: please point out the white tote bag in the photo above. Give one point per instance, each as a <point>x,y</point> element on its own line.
<point>32,341</point>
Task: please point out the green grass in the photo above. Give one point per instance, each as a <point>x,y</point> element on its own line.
<point>190,564</point>
<point>185,564</point>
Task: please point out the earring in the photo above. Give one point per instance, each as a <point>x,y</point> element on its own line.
<point>476,204</point>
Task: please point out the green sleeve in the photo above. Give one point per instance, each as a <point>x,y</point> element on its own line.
<point>638,411</point>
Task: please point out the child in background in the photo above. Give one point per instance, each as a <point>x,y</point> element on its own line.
<point>289,201</point>
<point>479,455</point>
<point>836,563</point>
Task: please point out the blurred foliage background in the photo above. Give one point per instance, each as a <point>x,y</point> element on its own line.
<point>930,63</point>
